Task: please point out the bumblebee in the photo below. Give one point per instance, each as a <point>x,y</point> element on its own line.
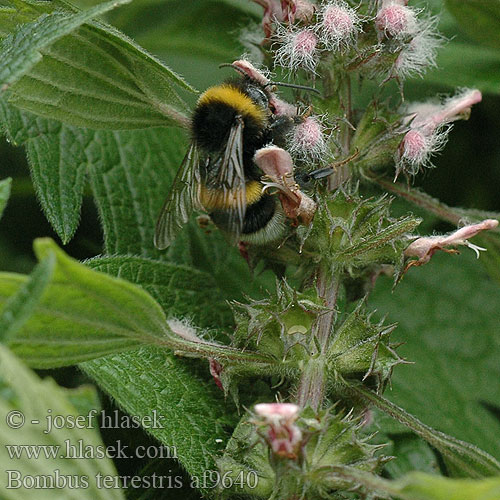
<point>218,175</point>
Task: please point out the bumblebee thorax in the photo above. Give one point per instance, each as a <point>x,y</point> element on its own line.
<point>216,112</point>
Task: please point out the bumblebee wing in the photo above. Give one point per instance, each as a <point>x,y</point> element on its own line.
<point>180,202</point>
<point>231,178</point>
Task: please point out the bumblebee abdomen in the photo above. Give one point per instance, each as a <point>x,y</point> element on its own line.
<point>216,112</point>
<point>258,215</point>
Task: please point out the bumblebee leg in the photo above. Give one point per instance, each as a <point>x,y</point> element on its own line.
<point>280,128</point>
<point>243,248</point>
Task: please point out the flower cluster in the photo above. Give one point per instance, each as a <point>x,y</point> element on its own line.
<point>397,40</point>
<point>335,29</point>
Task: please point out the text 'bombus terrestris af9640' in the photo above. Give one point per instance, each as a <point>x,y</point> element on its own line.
<point>230,123</point>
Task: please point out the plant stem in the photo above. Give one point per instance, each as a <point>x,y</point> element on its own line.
<point>435,207</point>
<point>328,287</point>
<point>419,199</point>
<point>343,173</point>
<point>312,385</point>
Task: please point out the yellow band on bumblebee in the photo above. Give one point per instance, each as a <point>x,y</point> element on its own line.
<point>218,199</point>
<point>234,98</point>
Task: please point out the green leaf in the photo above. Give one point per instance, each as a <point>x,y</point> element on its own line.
<point>58,167</point>
<point>21,50</point>
<point>57,160</point>
<point>421,486</point>
<point>130,173</point>
<point>482,67</point>
<point>81,315</point>
<point>447,312</point>
<point>191,411</point>
<point>4,193</point>
<point>182,291</point>
<point>34,399</point>
<point>480,19</point>
<point>18,307</point>
<point>93,77</point>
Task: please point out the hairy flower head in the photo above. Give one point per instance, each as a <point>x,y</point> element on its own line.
<point>297,48</point>
<point>307,140</point>
<point>338,25</point>
<point>396,20</point>
<point>281,433</point>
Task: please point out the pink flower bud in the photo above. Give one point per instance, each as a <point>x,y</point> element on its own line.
<point>308,141</point>
<point>282,435</point>
<point>338,25</point>
<point>395,19</point>
<point>297,49</point>
<point>215,371</point>
<point>281,107</point>
<point>424,248</point>
<point>284,11</point>
<point>417,148</point>
<point>304,10</point>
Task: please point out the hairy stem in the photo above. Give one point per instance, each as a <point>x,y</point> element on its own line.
<point>420,199</point>
<point>435,207</point>
<point>312,385</point>
<point>343,173</point>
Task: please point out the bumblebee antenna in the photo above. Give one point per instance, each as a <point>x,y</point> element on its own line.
<point>295,86</point>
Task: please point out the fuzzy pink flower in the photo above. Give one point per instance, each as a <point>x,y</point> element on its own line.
<point>307,141</point>
<point>297,48</point>
<point>338,25</point>
<point>424,248</point>
<point>395,19</point>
